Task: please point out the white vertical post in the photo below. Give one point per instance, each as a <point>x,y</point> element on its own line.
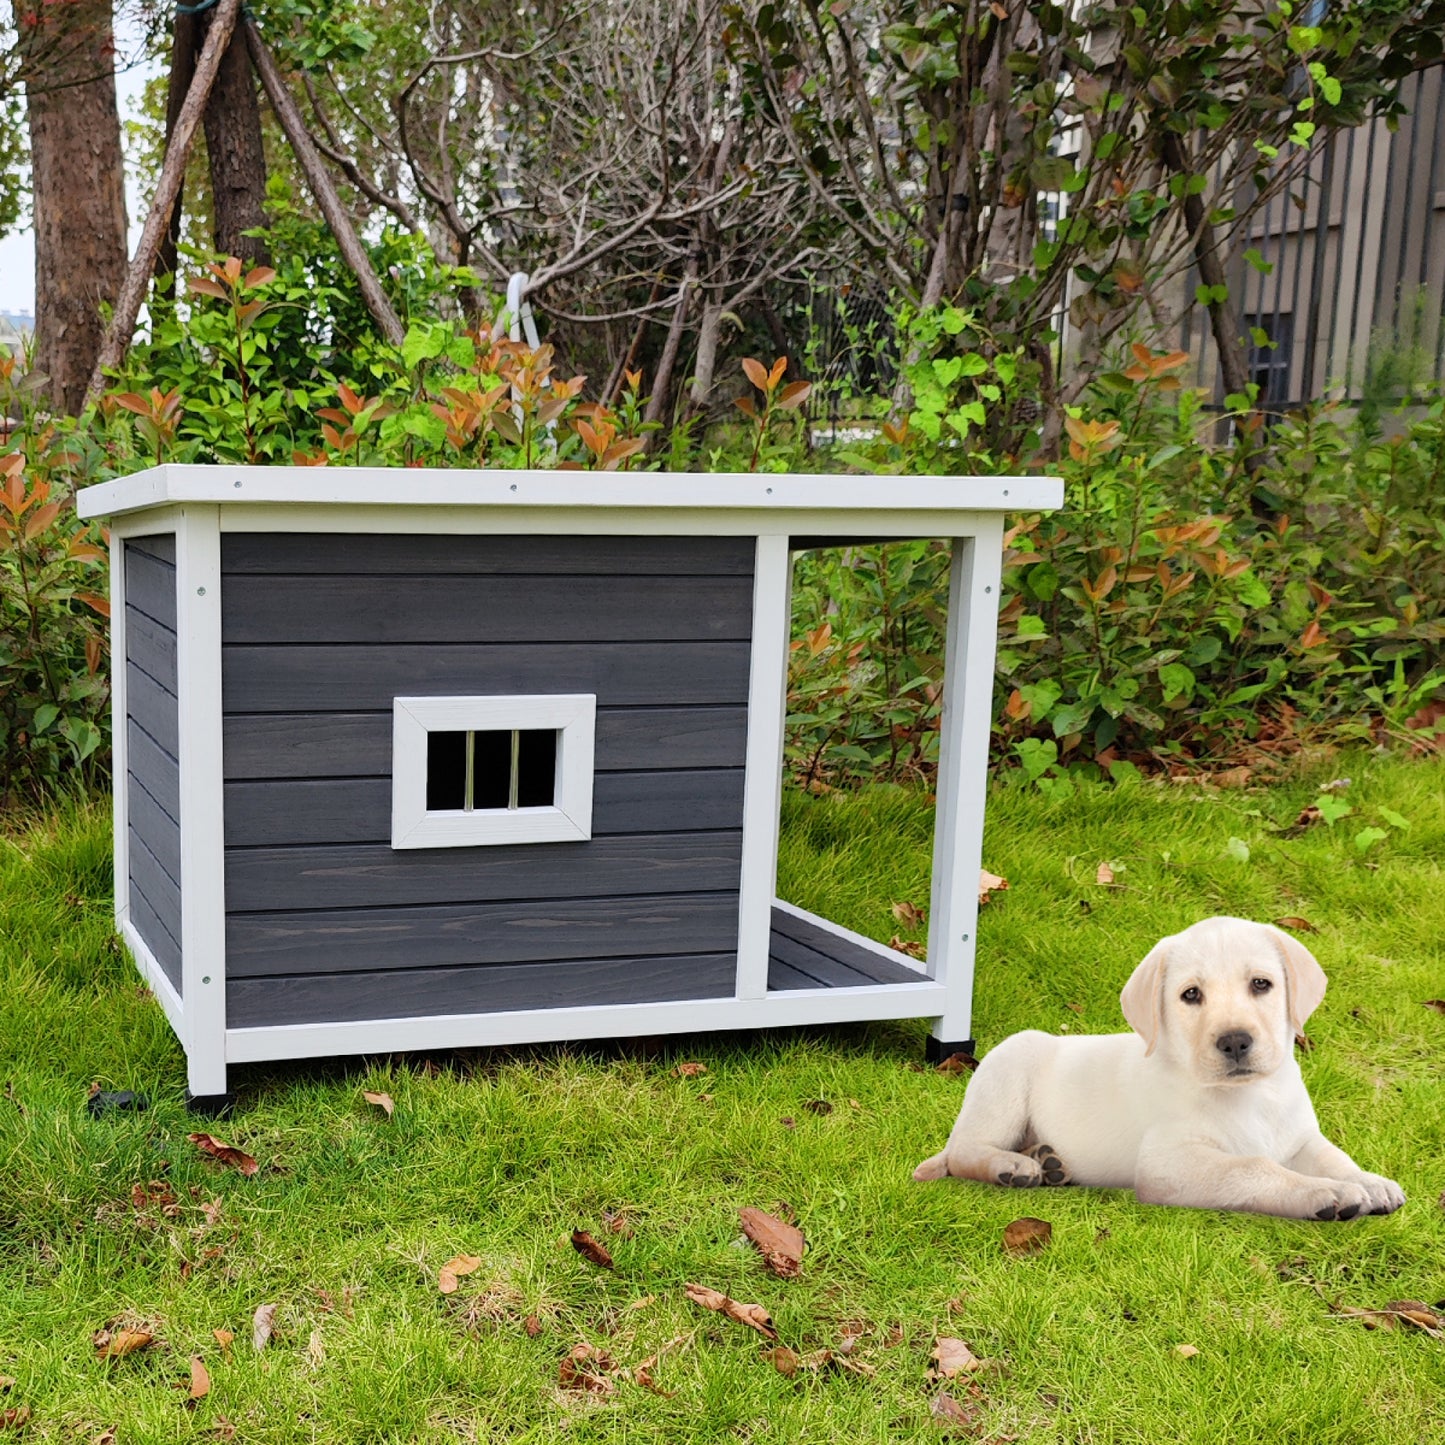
<point>763,779</point>
<point>973,597</point>
<point>119,768</point>
<point>203,898</point>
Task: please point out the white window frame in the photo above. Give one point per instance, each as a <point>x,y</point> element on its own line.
<point>568,820</point>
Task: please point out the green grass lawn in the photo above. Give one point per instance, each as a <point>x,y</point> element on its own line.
<point>499,1156</point>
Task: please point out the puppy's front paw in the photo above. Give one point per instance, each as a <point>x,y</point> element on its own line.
<point>1055,1171</point>
<point>1336,1199</point>
<point>1385,1195</point>
<point>1017,1171</point>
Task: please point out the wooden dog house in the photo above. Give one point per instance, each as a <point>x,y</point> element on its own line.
<point>429,759</point>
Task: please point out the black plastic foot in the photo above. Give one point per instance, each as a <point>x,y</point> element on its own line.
<point>935,1051</point>
<point>210,1106</point>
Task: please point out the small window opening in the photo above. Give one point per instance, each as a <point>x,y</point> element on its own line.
<point>498,769</point>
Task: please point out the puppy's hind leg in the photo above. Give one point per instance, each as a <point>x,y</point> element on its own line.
<point>993,1124</point>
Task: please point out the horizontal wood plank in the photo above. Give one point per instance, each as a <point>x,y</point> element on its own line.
<point>372,554</point>
<point>166,950</point>
<point>784,976</point>
<point>363,677</point>
<point>157,769</point>
<point>162,891</point>
<point>152,708</point>
<point>825,971</point>
<point>150,585</point>
<point>160,546</point>
<point>875,967</point>
<point>361,939</point>
<point>498,988</point>
<point>333,745</point>
<point>375,875</point>
<point>358,810</point>
<point>415,610</point>
<point>162,834</point>
<point>150,647</point>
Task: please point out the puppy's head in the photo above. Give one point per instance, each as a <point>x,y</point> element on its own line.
<point>1224,998</point>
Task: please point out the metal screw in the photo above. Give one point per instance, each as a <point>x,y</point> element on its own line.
<point>238,484</point>
<point>988,589</point>
<point>965,938</point>
<point>200,591</point>
<point>514,486</point>
<point>207,979</point>
<point>770,491</point>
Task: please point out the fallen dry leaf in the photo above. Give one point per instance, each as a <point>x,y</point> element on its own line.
<point>15,1417</point>
<point>1104,876</point>
<point>911,946</point>
<point>780,1244</point>
<point>261,1324</point>
<point>1413,1312</point>
<point>957,1064</point>
<point>953,1357</point>
<point>818,1106</point>
<point>585,1367</point>
<point>782,1359</point>
<point>617,1220</point>
<point>1296,924</point>
<point>200,1379</point>
<point>754,1316</point>
<point>690,1070</point>
<point>224,1153</point>
<point>590,1250</point>
<point>1308,816</point>
<point>454,1269</point>
<point>988,885</point>
<point>1077,1008</point>
<point>1186,1350</point>
<point>910,915</point>
<point>963,1416</point>
<point>112,1344</point>
<point>223,1338</point>
<point>1027,1236</point>
<point>1438,1004</point>
<point>533,1326</point>
<point>1304,1043</point>
<point>382,1101</point>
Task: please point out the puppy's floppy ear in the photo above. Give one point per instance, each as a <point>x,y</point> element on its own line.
<point>1303,975</point>
<point>1142,998</point>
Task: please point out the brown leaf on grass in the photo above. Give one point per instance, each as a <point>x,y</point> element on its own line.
<point>953,1357</point>
<point>223,1338</point>
<point>1104,876</point>
<point>755,1317</point>
<point>200,1379</point>
<point>911,946</point>
<point>1308,816</point>
<point>1188,1351</point>
<point>910,915</point>
<point>584,1367</point>
<point>780,1244</point>
<point>818,1106</point>
<point>1295,924</point>
<point>1027,1236</point>
<point>590,1250</point>
<point>224,1153</point>
<point>690,1070</point>
<point>957,1064</point>
<point>1422,1316</point>
<point>1428,717</point>
<point>1077,1008</point>
<point>783,1360</point>
<point>1438,1004</point>
<point>788,1122</point>
<point>15,1418</point>
<point>533,1326</point>
<point>1304,1043</point>
<point>988,885</point>
<point>1233,777</point>
<point>112,1344</point>
<point>382,1101</point>
<point>262,1323</point>
<point>617,1221</point>
<point>454,1269</point>
<point>949,1412</point>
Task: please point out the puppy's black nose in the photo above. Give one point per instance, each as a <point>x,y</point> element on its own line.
<point>1235,1044</point>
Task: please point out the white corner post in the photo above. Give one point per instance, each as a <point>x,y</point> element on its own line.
<point>119,728</point>
<point>763,789</point>
<point>203,895</point>
<point>973,598</point>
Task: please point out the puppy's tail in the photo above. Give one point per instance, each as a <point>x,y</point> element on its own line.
<point>934,1168</point>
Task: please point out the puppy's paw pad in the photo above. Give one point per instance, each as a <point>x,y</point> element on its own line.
<point>1348,1211</point>
<point>1328,1212</point>
<point>1055,1171</point>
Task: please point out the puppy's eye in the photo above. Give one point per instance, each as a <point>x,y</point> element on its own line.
<point>1192,995</point>
<point>1260,985</point>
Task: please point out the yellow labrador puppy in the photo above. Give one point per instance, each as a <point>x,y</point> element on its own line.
<point>1202,1105</point>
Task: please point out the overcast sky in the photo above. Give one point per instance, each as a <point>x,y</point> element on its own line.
<point>17,250</point>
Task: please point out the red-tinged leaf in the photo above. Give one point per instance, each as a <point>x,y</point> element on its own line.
<point>132,401</point>
<point>746,405</point>
<point>349,399</point>
<point>232,268</point>
<point>259,276</point>
<point>382,1101</point>
<point>16,1417</point>
<point>589,436</point>
<point>1291,921</point>
<point>620,451</point>
<point>94,654</point>
<point>776,374</point>
<point>1141,353</point>
<point>1313,635</point>
<point>1027,1236</point>
<point>780,1244</point>
<point>249,310</point>
<point>755,1317</point>
<point>262,1323</point>
<point>454,1269</point>
<point>207,287</point>
<point>795,394</point>
<point>40,519</point>
<point>590,1250</point>
<point>953,1357</point>
<point>200,1379</point>
<point>756,373</point>
<point>95,602</point>
<point>989,884</point>
<point>225,1153</point>
<point>585,1367</point>
<point>112,1344</point>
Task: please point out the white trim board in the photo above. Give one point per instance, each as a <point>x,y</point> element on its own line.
<point>857,939</point>
<point>532,1026</point>
<point>399,491</point>
<point>155,976</point>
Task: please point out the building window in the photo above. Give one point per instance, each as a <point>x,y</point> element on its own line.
<point>472,771</point>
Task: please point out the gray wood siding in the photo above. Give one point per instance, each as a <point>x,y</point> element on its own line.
<point>803,955</point>
<point>151,728</point>
<point>321,632</point>
<point>501,988</point>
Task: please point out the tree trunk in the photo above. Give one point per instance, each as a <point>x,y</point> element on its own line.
<point>657,403</point>
<point>237,161</point>
<point>185,42</point>
<point>708,335</point>
<point>79,195</point>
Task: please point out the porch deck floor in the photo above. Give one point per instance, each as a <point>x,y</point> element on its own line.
<point>803,953</point>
